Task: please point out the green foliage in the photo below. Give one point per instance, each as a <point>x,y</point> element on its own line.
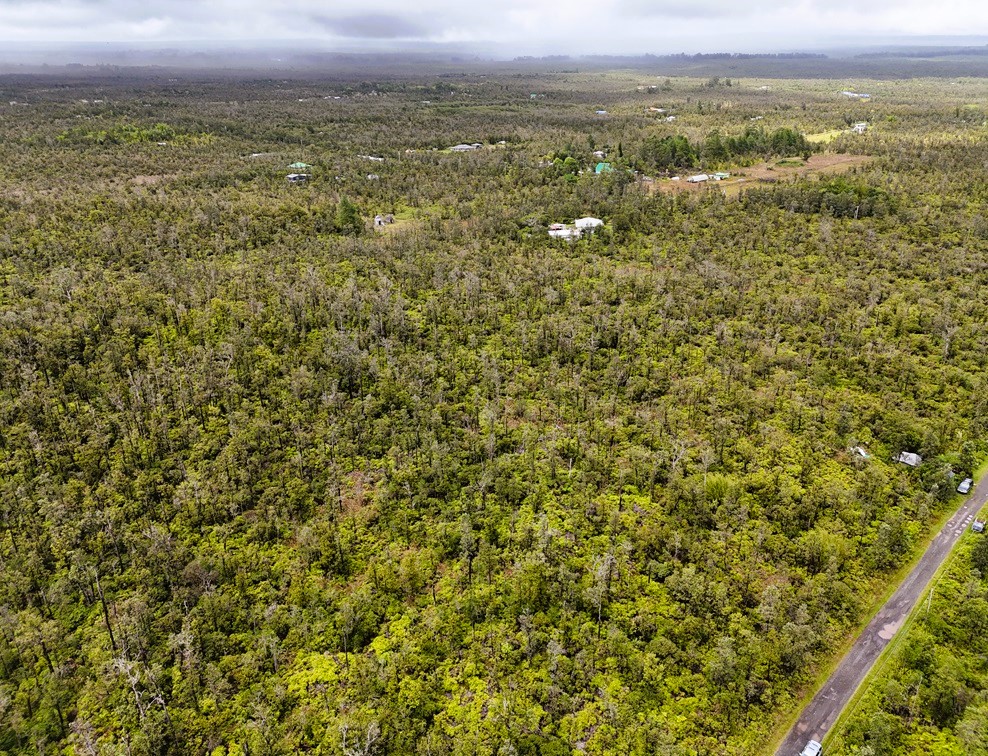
<point>127,133</point>
<point>271,484</point>
<point>348,219</point>
<point>839,198</point>
<point>666,152</point>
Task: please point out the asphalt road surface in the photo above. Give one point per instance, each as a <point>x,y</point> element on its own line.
<point>821,713</point>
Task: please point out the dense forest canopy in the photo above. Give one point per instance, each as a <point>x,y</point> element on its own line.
<point>273,480</point>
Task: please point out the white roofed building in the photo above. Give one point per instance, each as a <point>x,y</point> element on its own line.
<point>588,223</point>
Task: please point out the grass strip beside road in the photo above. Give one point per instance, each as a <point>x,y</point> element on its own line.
<point>878,599</point>
<point>887,652</point>
<point>903,631</point>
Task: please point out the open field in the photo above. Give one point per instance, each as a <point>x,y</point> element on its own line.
<point>825,137</point>
<point>768,173</point>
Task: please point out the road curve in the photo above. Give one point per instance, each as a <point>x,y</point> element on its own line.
<point>821,713</point>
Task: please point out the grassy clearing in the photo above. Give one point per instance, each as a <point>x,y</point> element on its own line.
<point>824,137</point>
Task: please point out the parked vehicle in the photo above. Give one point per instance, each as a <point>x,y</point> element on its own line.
<point>965,486</point>
<point>813,748</point>
<point>978,526</point>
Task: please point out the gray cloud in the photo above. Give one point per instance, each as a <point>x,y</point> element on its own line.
<point>507,27</point>
<point>713,9</point>
<point>372,26</point>
<point>688,9</point>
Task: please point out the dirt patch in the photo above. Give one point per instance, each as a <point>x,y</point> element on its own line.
<point>769,172</point>
<point>150,180</point>
<point>827,163</point>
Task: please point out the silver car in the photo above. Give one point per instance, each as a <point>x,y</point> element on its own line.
<point>965,486</point>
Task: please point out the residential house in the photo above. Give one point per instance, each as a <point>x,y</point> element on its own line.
<point>563,233</point>
<point>588,223</point>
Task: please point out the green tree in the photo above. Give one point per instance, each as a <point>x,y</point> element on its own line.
<point>348,219</point>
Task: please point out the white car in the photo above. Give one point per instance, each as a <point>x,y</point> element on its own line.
<point>965,486</point>
<point>812,749</point>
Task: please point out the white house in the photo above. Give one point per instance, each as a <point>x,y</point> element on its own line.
<point>588,224</point>
<point>564,233</point>
<point>698,178</point>
<point>465,147</point>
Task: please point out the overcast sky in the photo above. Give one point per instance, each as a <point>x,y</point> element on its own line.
<point>513,27</point>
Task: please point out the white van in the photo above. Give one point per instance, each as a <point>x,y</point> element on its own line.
<point>812,749</point>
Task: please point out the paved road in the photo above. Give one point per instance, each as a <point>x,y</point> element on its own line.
<point>821,713</point>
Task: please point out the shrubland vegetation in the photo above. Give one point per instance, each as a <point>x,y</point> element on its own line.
<point>273,482</point>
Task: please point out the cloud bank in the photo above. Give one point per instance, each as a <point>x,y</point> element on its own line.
<point>514,26</point>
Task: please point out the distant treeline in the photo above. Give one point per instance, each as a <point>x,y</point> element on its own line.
<point>670,152</point>
<point>676,57</point>
<point>743,56</point>
<point>930,52</point>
